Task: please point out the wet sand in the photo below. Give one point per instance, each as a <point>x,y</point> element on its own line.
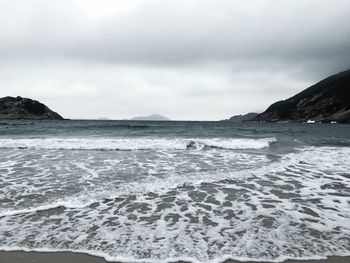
<point>69,257</point>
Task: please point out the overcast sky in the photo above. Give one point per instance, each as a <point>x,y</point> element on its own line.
<point>185,59</point>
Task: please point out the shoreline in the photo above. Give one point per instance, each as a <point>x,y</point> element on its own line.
<point>19,256</point>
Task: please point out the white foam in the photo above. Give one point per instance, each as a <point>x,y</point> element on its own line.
<point>142,227</point>
<point>109,258</point>
<point>133,143</point>
<point>42,180</point>
<point>236,143</point>
<point>71,202</point>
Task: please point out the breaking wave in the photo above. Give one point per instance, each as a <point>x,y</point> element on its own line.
<point>128,144</point>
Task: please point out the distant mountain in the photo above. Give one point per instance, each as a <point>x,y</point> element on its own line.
<point>241,118</point>
<point>152,117</point>
<point>326,101</point>
<point>23,108</point>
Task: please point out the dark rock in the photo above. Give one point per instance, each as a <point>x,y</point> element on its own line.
<point>23,108</point>
<point>326,101</point>
<point>241,118</point>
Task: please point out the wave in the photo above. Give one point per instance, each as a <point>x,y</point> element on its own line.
<point>288,171</point>
<point>230,144</point>
<point>175,181</point>
<point>128,144</point>
<point>106,125</point>
<point>69,202</point>
<point>15,124</point>
<point>314,159</point>
<point>110,258</point>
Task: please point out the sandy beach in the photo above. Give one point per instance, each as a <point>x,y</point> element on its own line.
<point>69,257</point>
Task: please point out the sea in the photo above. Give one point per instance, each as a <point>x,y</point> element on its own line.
<point>138,191</point>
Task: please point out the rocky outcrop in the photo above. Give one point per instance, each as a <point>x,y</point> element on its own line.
<point>241,118</point>
<point>23,108</point>
<point>326,101</point>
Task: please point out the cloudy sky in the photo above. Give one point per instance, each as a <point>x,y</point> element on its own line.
<point>185,59</point>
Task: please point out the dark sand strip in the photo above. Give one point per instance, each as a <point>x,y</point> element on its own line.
<point>69,257</point>
<point>328,260</point>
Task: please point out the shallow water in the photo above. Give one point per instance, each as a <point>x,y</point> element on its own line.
<point>154,191</point>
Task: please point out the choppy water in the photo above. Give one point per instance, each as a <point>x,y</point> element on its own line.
<point>154,191</point>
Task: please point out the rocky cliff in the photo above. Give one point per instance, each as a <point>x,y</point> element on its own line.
<point>23,108</point>
<point>242,118</point>
<point>326,101</point>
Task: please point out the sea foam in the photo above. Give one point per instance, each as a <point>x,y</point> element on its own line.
<point>296,207</point>
<point>134,143</point>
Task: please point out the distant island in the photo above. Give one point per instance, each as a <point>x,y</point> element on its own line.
<point>152,117</point>
<point>24,108</point>
<point>326,101</point>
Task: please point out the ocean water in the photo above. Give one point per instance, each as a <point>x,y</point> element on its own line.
<point>160,191</point>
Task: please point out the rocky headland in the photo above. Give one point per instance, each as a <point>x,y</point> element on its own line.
<point>15,108</point>
<point>326,101</point>
<point>243,117</point>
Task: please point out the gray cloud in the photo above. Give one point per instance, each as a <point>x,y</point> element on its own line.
<point>186,59</point>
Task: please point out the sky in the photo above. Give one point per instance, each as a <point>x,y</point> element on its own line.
<point>184,59</point>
